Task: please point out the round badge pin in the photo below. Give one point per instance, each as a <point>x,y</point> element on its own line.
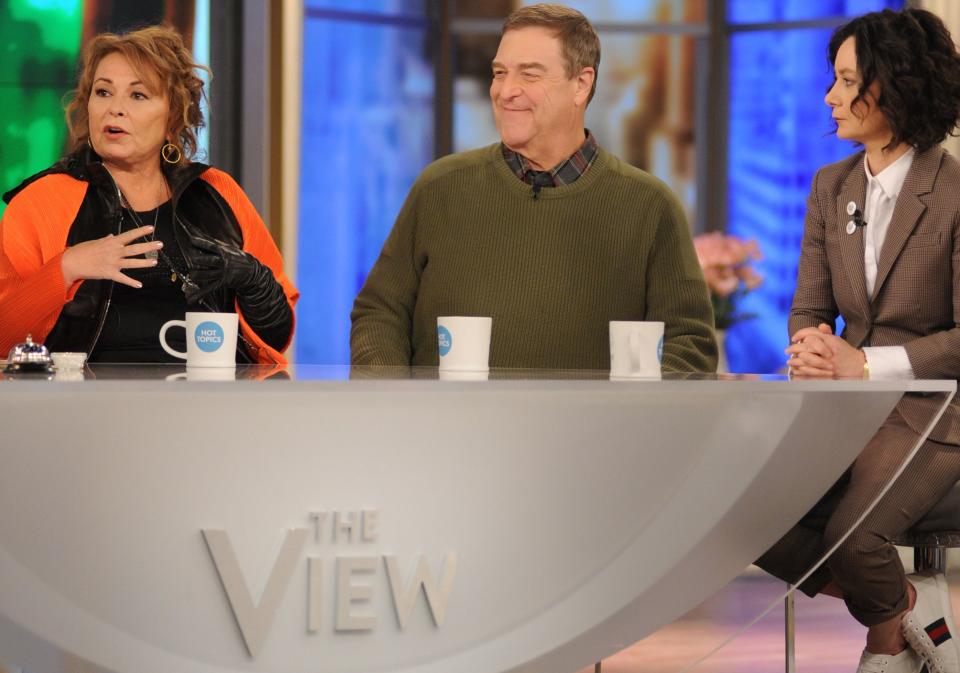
<point>851,208</point>
<point>851,227</point>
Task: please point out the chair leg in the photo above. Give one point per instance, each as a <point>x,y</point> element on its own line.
<point>930,558</point>
<point>789,634</point>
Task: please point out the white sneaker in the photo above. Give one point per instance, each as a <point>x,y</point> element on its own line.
<point>929,627</point>
<point>905,662</point>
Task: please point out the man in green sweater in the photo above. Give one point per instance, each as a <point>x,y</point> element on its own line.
<point>546,232</point>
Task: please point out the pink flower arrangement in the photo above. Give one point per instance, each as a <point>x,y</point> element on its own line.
<point>726,263</point>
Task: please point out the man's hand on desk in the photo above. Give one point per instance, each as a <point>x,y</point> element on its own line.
<point>818,353</point>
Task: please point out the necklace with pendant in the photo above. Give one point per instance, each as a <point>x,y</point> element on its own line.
<point>150,254</point>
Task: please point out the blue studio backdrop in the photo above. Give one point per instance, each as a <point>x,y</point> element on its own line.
<point>367,133</point>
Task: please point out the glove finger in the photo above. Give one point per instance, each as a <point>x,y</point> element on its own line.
<point>205,278</point>
<point>202,242</point>
<point>234,253</point>
<point>206,262</point>
<point>195,292</point>
<point>211,243</point>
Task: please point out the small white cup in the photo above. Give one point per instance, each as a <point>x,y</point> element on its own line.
<point>636,349</point>
<point>211,339</point>
<point>464,343</point>
<point>66,361</point>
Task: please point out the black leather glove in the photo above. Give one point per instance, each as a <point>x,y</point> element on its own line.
<point>215,265</point>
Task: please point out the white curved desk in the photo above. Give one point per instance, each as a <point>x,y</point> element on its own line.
<point>555,521</point>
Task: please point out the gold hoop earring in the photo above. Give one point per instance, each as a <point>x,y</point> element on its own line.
<point>171,153</point>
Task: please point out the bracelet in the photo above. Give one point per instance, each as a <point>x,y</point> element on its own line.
<point>866,365</point>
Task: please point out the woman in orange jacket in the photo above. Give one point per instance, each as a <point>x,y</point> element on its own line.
<point>126,232</point>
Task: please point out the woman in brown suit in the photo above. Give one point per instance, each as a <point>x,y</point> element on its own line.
<point>881,248</point>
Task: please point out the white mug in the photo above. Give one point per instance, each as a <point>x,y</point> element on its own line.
<point>464,343</point>
<point>211,339</point>
<point>636,349</point>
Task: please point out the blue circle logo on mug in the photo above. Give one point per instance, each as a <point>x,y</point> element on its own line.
<point>660,350</point>
<point>444,340</point>
<point>209,336</point>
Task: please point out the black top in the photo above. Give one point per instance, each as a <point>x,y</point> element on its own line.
<point>131,331</point>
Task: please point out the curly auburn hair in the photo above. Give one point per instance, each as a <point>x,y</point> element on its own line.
<point>911,56</point>
<point>158,55</point>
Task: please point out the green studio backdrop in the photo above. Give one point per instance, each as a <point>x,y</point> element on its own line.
<point>40,41</point>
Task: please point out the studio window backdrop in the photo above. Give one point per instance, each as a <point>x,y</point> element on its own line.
<point>722,100</point>
<point>370,121</point>
<point>370,87</point>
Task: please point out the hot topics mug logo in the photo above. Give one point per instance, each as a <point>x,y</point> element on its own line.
<point>444,340</point>
<point>209,336</point>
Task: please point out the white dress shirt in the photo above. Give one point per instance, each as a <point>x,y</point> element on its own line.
<point>886,362</point>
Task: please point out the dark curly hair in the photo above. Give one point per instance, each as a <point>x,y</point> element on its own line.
<point>911,55</point>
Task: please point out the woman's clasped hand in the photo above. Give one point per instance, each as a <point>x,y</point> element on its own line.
<point>816,352</point>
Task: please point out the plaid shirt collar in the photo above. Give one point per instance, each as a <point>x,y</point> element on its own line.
<point>564,173</point>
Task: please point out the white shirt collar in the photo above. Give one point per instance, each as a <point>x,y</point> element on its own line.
<point>891,178</point>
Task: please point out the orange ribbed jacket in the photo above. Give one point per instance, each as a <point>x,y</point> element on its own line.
<point>33,236</point>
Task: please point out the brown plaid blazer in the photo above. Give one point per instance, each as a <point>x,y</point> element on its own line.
<point>916,299</point>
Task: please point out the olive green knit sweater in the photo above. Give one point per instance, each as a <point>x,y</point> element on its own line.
<point>552,272</point>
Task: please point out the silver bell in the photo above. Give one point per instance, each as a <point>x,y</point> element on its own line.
<point>29,357</point>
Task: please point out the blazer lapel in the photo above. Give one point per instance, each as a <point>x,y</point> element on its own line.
<point>907,211</point>
<point>854,189</point>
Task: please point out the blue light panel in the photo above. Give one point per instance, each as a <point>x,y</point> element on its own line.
<point>367,132</point>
